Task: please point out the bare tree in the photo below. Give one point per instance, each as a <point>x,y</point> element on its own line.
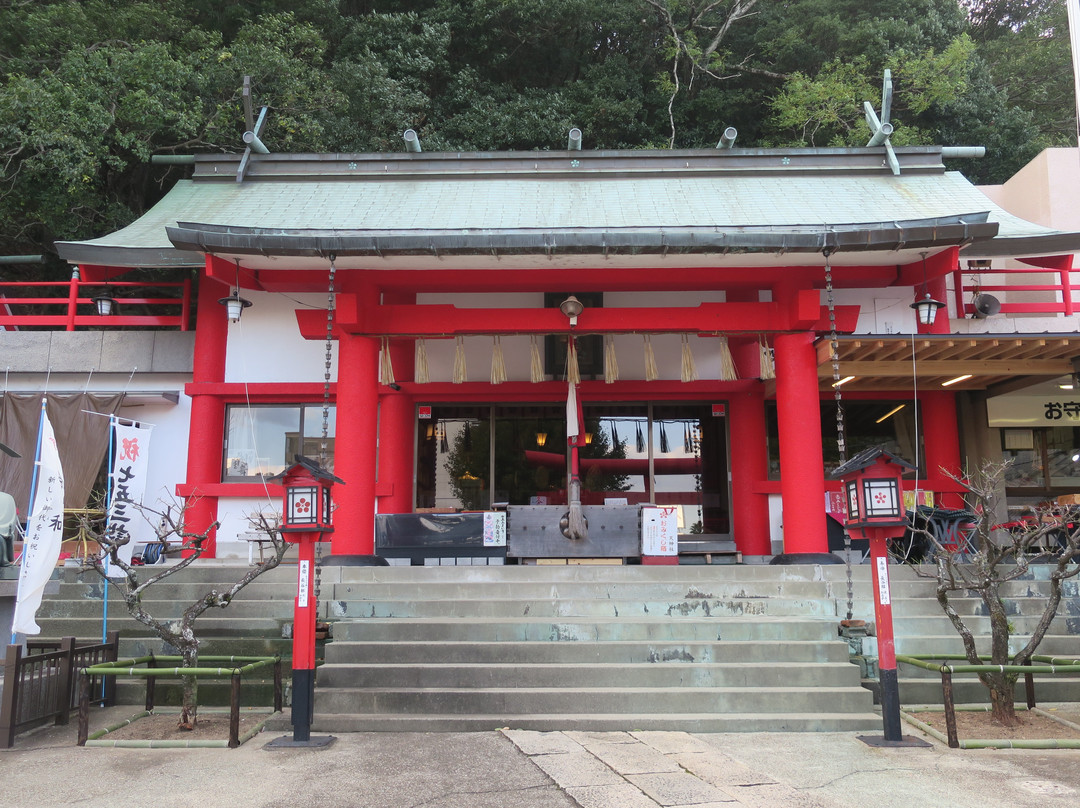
<point>172,534</point>
<point>695,32</point>
<point>994,556</point>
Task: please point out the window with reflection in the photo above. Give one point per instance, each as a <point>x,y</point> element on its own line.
<point>261,440</point>
<point>1041,459</point>
<point>889,423</point>
<point>476,457</point>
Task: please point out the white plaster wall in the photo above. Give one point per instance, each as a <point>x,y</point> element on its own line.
<point>266,346</point>
<point>233,514</point>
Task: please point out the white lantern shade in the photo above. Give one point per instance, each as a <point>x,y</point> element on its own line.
<point>302,505</point>
<point>881,498</point>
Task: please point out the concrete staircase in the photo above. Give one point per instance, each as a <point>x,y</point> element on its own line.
<point>708,649</point>
<point>922,628</point>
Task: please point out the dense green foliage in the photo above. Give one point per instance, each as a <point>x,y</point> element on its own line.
<point>92,88</point>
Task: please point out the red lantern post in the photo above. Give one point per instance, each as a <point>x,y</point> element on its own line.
<point>875,511</point>
<point>306,517</point>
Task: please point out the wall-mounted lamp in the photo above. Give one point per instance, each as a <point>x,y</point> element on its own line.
<point>541,438</point>
<point>588,438</point>
<point>572,307</point>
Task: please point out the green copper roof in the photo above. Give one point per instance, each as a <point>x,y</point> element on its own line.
<point>783,201</point>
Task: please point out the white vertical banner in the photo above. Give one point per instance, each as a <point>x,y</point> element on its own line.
<point>127,484</point>
<point>44,533</point>
<point>571,412</point>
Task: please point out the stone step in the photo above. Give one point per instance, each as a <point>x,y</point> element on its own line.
<point>571,700</point>
<point>1019,606</point>
<point>716,587</point>
<point>600,629</point>
<point>213,626</point>
<point>692,721</point>
<point>946,641</point>
<point>931,624</point>
<point>969,690</point>
<point>577,675</point>
<point>591,607</point>
<point>403,652</point>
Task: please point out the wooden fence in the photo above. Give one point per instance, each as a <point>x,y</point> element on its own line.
<point>42,682</point>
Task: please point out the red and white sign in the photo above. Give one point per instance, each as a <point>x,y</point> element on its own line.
<point>659,531</point>
<point>423,412</point>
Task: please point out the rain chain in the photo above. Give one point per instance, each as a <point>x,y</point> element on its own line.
<point>841,438</point>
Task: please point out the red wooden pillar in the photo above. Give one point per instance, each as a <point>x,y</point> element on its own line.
<point>749,507</point>
<point>397,425</point>
<point>207,427</point>
<point>940,266</point>
<point>356,440</point>
<point>941,437</point>
<point>802,475</point>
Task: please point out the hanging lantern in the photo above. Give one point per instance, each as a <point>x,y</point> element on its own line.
<point>105,305</point>
<point>234,305</point>
<point>927,309</point>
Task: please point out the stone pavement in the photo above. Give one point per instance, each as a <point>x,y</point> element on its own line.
<point>520,769</point>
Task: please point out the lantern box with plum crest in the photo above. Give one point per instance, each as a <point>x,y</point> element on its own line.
<point>308,506</point>
<point>872,490</point>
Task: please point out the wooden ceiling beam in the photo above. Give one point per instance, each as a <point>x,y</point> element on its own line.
<point>950,368</point>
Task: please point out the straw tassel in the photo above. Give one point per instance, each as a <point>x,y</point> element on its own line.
<point>689,369</point>
<point>573,374</point>
<point>727,362</point>
<point>651,374</point>
<point>421,362</point>
<point>536,367</point>
<point>460,371</point>
<point>768,370</point>
<point>386,369</point>
<point>611,365</point>
<point>498,366</point>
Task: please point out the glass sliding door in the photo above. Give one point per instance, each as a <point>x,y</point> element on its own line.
<point>690,466</point>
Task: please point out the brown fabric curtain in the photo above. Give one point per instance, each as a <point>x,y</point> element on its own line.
<point>81,437</point>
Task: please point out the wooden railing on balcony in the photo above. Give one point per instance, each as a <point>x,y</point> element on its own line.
<point>1063,291</point>
<point>57,305</point>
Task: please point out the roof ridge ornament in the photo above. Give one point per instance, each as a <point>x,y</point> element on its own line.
<point>881,128</point>
<point>251,134</point>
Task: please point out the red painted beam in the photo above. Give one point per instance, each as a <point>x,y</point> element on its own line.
<point>436,320</point>
<point>570,279</point>
<point>935,266</point>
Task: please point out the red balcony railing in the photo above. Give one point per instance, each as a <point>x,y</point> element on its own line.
<point>70,304</point>
<point>1062,295</point>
